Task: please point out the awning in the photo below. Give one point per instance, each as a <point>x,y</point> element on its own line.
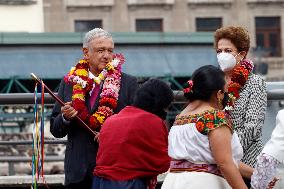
<point>53,62</point>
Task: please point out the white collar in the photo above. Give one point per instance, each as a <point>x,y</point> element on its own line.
<point>91,75</point>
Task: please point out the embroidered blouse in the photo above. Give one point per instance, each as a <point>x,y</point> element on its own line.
<point>248,117</point>
<point>264,172</point>
<point>188,137</point>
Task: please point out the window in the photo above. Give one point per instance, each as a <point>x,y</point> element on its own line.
<point>268,35</point>
<point>149,25</point>
<point>208,24</point>
<point>87,25</point>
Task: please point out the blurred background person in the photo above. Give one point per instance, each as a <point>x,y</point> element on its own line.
<point>270,158</point>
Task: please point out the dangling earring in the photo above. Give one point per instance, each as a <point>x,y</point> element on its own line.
<point>220,105</point>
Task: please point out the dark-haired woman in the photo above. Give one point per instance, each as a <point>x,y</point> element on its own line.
<point>204,148</point>
<point>133,143</point>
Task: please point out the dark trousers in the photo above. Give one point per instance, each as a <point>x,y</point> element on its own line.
<point>84,184</point>
<point>101,183</point>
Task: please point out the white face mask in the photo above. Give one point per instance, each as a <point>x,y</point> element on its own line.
<point>226,61</point>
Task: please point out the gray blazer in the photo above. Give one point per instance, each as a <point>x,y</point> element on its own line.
<point>248,117</point>
<point>81,149</point>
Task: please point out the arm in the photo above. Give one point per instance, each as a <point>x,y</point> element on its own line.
<point>246,170</point>
<point>255,114</point>
<point>220,143</point>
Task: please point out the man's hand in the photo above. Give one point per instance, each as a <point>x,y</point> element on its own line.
<point>68,111</point>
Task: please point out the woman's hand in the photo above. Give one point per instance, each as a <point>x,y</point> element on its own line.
<point>246,170</point>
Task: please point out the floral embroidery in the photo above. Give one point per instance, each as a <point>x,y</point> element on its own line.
<point>200,126</point>
<point>205,121</point>
<point>83,85</point>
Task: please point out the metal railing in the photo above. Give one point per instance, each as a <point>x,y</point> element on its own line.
<point>11,160</point>
<point>28,98</point>
<point>275,92</point>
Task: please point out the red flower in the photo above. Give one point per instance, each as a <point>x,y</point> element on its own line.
<point>106,111</point>
<point>210,125</point>
<point>110,102</point>
<point>234,89</point>
<point>93,122</point>
<point>221,115</point>
<point>106,104</point>
<point>208,116</point>
<point>200,126</point>
<point>240,75</point>
<point>79,104</point>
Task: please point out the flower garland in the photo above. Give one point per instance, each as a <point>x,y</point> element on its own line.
<point>239,78</point>
<point>83,85</point>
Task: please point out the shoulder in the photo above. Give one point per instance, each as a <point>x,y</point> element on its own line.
<point>215,119</point>
<point>256,81</point>
<point>205,121</point>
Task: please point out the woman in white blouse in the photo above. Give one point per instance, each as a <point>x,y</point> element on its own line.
<point>271,157</point>
<point>204,148</point>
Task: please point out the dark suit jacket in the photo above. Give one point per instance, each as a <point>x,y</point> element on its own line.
<point>81,149</point>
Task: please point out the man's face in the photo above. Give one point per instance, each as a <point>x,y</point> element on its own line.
<point>99,53</point>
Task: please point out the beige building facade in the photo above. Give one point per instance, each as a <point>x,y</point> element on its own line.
<point>21,16</point>
<point>264,19</point>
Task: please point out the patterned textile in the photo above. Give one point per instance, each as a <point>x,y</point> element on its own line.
<point>206,121</point>
<point>248,117</point>
<point>183,165</point>
<point>264,172</point>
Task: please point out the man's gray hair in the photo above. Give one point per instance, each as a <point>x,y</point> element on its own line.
<point>94,33</point>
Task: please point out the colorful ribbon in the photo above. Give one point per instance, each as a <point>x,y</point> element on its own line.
<point>38,139</point>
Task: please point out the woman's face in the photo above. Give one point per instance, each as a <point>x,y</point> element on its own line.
<point>226,46</point>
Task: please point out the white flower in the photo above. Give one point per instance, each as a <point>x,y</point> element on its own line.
<point>228,108</point>
<point>115,62</point>
<point>84,83</point>
<point>104,72</point>
<point>75,79</point>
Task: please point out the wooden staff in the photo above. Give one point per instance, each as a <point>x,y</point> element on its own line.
<point>62,104</point>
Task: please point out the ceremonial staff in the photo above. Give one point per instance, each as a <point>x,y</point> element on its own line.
<point>62,104</point>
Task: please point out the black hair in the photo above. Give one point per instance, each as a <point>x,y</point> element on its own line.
<point>206,80</point>
<point>154,96</point>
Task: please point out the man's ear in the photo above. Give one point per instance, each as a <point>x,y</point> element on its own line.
<point>86,53</point>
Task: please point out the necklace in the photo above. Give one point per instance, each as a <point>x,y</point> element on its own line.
<point>238,80</point>
<point>83,85</point>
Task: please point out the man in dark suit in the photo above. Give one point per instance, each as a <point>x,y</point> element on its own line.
<point>81,149</point>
